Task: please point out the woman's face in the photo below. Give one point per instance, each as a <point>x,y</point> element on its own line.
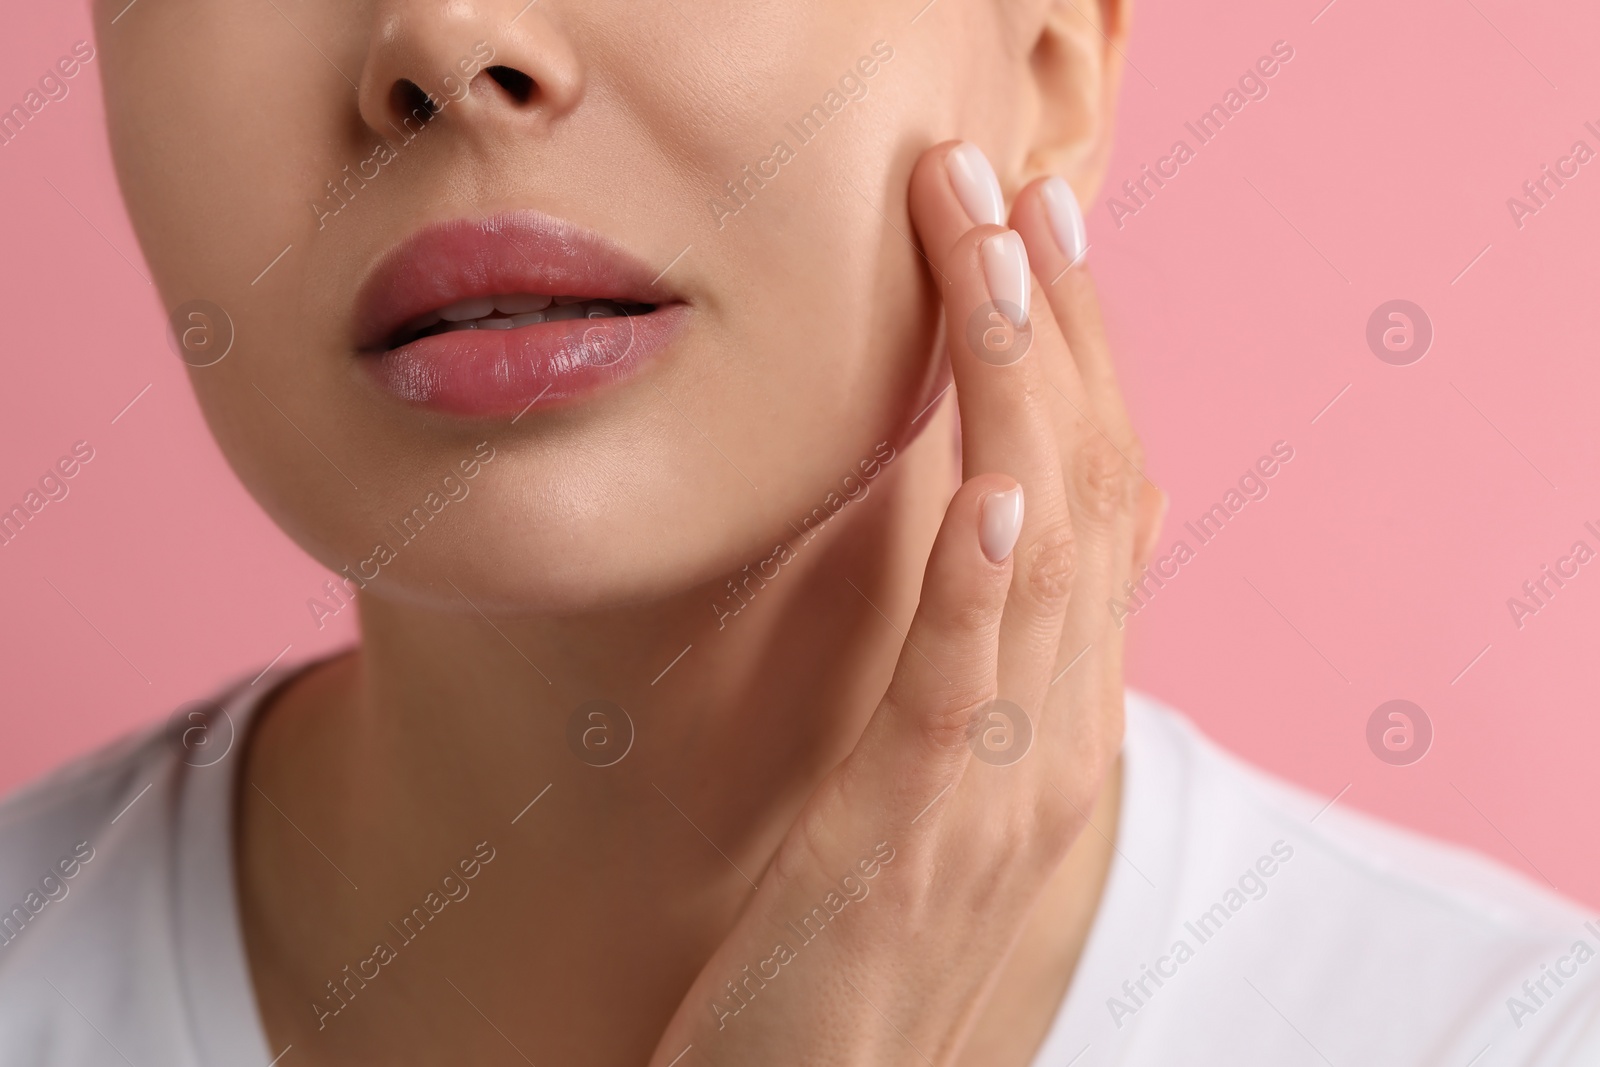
<point>720,183</point>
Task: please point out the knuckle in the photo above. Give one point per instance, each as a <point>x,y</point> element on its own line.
<point>1009,850</point>
<point>944,721</point>
<point>974,614</point>
<point>1103,479</point>
<point>1028,841</point>
<point>1052,564</point>
<point>950,723</point>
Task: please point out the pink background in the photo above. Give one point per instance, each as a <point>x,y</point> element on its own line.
<point>1378,168</point>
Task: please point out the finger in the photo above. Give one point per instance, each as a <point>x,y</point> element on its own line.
<point>1080,720</point>
<point>996,340</point>
<point>909,756</point>
<point>953,189</point>
<point>1116,512</point>
<point>916,742</point>
<point>1047,216</point>
<point>882,805</point>
<point>1051,224</point>
<point>1147,528</point>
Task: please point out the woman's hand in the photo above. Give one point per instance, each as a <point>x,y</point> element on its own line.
<point>896,896</point>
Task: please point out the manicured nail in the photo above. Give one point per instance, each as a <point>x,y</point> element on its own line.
<point>1005,268</point>
<point>999,523</point>
<point>1066,218</point>
<point>1152,536</point>
<point>975,184</point>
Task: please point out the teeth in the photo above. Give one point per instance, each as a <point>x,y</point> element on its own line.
<point>520,303</point>
<point>467,309</point>
<point>516,310</point>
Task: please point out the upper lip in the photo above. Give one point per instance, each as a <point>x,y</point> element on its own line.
<point>513,252</point>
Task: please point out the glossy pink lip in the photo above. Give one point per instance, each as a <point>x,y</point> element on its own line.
<point>504,372</point>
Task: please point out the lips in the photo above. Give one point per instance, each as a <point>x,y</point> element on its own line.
<point>495,316</point>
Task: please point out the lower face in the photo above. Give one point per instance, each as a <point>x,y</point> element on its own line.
<point>600,350</point>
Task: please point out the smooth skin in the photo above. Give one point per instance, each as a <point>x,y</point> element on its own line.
<point>832,713</point>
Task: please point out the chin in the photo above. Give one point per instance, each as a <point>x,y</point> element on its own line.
<point>515,538</point>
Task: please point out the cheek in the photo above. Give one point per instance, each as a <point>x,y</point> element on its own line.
<point>201,126</point>
<point>218,148</point>
<point>829,318</point>
<point>798,216</point>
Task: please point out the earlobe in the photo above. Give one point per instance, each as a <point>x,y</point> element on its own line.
<point>1076,68</point>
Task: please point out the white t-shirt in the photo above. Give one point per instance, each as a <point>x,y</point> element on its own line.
<point>1234,929</point>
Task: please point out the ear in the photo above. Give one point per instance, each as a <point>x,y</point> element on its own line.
<point>1076,63</point>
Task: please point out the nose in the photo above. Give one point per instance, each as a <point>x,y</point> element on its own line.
<point>488,63</point>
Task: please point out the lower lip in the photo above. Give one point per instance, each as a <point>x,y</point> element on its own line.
<point>489,373</point>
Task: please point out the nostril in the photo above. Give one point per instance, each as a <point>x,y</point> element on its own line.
<point>513,81</point>
<point>411,101</point>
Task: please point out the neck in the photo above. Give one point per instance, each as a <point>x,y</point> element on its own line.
<point>716,712</point>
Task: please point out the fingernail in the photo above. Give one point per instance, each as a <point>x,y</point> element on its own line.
<point>1005,268</point>
<point>1066,218</point>
<point>975,184</point>
<point>1152,536</point>
<point>999,523</point>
